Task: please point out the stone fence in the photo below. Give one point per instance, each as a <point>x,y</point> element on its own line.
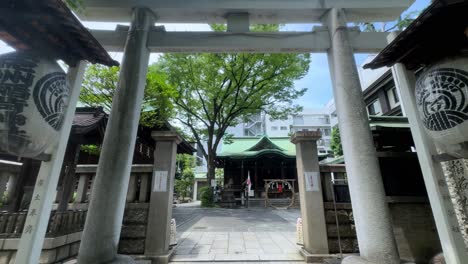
<point>60,223</point>
<point>138,188</point>
<point>65,228</point>
<point>413,223</point>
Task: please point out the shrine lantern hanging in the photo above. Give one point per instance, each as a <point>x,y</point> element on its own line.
<point>442,99</point>
<point>33,98</point>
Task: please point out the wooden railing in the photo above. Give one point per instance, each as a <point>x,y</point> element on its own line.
<point>60,223</point>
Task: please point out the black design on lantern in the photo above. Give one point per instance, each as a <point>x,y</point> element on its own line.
<point>51,97</point>
<point>16,78</point>
<point>442,98</point>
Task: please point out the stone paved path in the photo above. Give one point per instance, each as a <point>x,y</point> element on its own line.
<point>212,235</point>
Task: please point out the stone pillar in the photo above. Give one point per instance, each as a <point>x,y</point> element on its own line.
<point>132,185</point>
<point>373,222</point>
<point>69,179</point>
<point>310,193</point>
<point>4,177</point>
<point>11,187</point>
<point>195,190</point>
<point>82,189</point>
<point>105,214</point>
<point>37,220</point>
<point>162,189</point>
<point>445,218</point>
<point>143,196</point>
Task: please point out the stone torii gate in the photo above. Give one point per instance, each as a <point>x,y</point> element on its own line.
<point>334,37</point>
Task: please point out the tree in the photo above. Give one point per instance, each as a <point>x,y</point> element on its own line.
<point>75,5</point>
<point>215,91</point>
<point>336,142</point>
<point>100,82</point>
<point>400,24</point>
<point>185,175</point>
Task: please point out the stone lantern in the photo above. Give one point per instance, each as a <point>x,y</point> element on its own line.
<point>33,98</point>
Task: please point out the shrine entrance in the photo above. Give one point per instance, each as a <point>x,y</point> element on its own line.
<point>100,238</point>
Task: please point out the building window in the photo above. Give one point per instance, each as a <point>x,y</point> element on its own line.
<point>298,120</point>
<point>374,108</point>
<point>393,98</point>
<point>274,128</point>
<point>284,128</point>
<point>326,132</point>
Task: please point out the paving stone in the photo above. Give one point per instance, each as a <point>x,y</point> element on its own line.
<point>281,257</point>
<point>218,250</point>
<point>219,245</point>
<point>237,257</point>
<point>240,236</point>
<point>191,258</point>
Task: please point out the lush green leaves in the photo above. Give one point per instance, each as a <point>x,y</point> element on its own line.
<point>185,175</point>
<point>215,91</point>
<point>75,5</point>
<point>400,24</point>
<point>99,86</point>
<point>336,143</point>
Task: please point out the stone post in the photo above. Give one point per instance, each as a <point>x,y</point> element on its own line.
<point>11,187</point>
<point>82,189</point>
<point>143,196</point>
<point>4,177</point>
<point>310,193</point>
<point>69,179</point>
<point>106,209</point>
<point>35,225</point>
<point>445,218</point>
<point>162,189</point>
<point>195,190</point>
<point>131,193</point>
<point>373,221</point>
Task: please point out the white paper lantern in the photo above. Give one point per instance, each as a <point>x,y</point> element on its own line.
<point>33,98</point>
<point>442,99</point>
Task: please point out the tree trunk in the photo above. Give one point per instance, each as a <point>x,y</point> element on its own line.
<point>210,175</point>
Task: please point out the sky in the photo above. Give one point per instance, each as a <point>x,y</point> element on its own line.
<point>317,80</point>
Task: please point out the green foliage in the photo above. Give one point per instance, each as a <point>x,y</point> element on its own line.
<point>99,86</point>
<point>228,138</point>
<point>219,176</point>
<point>184,161</point>
<point>184,184</point>
<point>402,23</point>
<point>336,142</point>
<point>91,149</point>
<point>206,197</point>
<point>214,91</point>
<point>254,27</point>
<point>75,5</point>
<point>185,175</point>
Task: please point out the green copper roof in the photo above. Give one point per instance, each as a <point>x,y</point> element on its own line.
<point>246,147</point>
<point>388,122</point>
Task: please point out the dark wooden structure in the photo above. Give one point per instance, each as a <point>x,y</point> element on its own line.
<point>88,128</point>
<point>48,26</point>
<point>439,31</point>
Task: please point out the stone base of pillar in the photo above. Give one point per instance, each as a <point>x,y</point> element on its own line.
<point>161,259</point>
<point>315,258</point>
<point>121,259</point>
<point>356,260</point>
